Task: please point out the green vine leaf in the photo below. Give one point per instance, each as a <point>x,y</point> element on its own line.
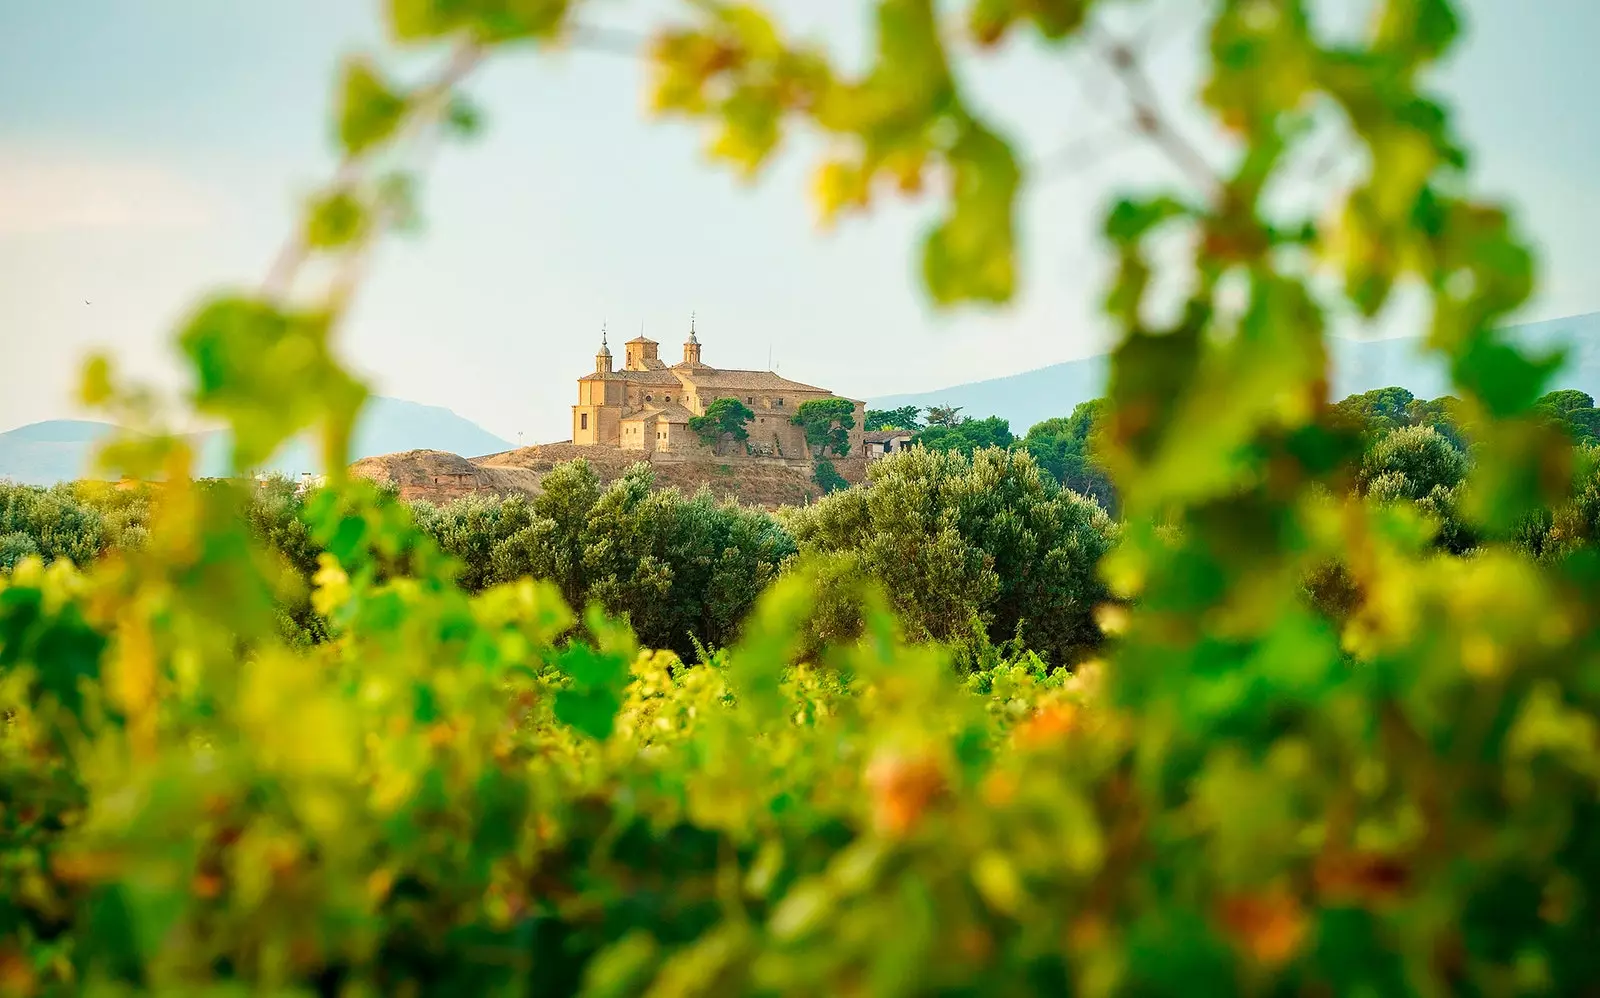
<point>369,110</point>
<point>336,220</point>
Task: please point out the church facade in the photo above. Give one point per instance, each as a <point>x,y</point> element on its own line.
<point>647,404</point>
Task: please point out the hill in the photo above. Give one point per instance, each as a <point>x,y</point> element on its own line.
<point>60,449</point>
<point>1358,366</point>
<point>49,452</point>
<point>439,477</point>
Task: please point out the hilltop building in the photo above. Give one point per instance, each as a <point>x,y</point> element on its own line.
<point>646,406</point>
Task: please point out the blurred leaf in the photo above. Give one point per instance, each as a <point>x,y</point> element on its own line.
<point>369,110</point>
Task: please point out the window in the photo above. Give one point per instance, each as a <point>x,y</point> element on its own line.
<point>669,398</point>
<point>749,400</point>
<point>780,403</point>
<point>647,398</point>
<point>583,420</point>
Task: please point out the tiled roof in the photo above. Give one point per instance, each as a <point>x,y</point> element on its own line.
<point>880,436</point>
<point>670,412</point>
<point>717,378</point>
<point>641,338</point>
<point>660,376</point>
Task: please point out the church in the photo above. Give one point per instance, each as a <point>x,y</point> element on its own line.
<point>646,406</point>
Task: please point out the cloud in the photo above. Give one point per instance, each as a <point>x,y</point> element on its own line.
<point>49,191</point>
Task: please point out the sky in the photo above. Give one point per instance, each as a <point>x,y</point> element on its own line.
<point>152,151</point>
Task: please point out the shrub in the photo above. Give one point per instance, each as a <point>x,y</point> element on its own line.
<point>954,541</point>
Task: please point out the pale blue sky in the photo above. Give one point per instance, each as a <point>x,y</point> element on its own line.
<point>150,149</point>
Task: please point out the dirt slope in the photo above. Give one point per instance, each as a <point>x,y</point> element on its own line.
<point>439,477</point>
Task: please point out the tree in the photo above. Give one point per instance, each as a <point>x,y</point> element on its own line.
<point>1376,412</point>
<point>1415,460</point>
<point>724,418</point>
<point>967,436</point>
<point>827,423</point>
<point>828,478</point>
<point>1417,464</point>
<point>1063,445</point>
<point>955,541</point>
<point>1574,412</point>
<point>907,417</point>
<point>1442,415</point>
<point>679,569</point>
<point>945,415</point>
<point>14,547</point>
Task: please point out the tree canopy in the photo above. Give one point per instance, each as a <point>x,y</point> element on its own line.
<point>827,423</point>
<point>966,436</point>
<point>956,542</point>
<point>1063,446</point>
<point>907,417</point>
<point>724,418</point>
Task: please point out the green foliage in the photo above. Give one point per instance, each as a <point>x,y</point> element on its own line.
<point>1064,448</point>
<point>78,523</point>
<point>270,373</point>
<point>677,568</point>
<point>369,109</point>
<point>14,547</point>
<point>336,220</point>
<point>1381,410</point>
<point>1575,412</point>
<point>945,415</point>
<point>723,418</point>
<point>827,423</point>
<point>1419,465</point>
<point>955,542</point>
<point>1387,789</point>
<point>827,477</point>
<point>1413,462</point>
<point>966,437</point>
<point>907,417</point>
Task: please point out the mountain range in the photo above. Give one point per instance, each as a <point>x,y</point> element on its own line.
<point>1358,366</point>
<point>60,449</point>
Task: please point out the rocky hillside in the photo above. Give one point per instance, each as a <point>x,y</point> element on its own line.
<point>439,477</point>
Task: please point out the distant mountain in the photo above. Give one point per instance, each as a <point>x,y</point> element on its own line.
<point>1358,366</point>
<point>60,449</point>
<point>43,453</point>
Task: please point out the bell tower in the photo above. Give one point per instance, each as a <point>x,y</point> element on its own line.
<point>602,360</point>
<point>691,346</point>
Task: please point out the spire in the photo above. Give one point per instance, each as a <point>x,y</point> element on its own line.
<point>602,360</point>
<point>691,346</point>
